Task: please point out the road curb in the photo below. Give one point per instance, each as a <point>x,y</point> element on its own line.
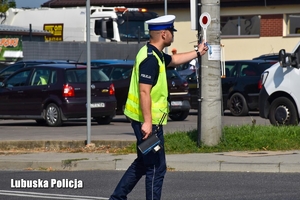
<point>8,145</point>
<point>236,167</point>
<point>172,166</point>
<point>51,161</point>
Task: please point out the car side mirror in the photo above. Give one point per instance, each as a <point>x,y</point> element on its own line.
<point>283,58</point>
<point>287,59</point>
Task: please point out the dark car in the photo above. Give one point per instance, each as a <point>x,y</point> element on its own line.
<point>120,74</point>
<point>53,93</point>
<point>10,69</point>
<point>240,88</point>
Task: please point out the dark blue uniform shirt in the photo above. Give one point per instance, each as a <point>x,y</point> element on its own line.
<point>149,68</point>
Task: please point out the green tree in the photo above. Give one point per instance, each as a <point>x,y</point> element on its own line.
<point>6,4</point>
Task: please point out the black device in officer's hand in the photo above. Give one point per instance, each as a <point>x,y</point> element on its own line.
<point>152,142</point>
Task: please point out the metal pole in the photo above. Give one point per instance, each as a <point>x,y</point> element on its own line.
<point>127,24</point>
<point>166,12</point>
<point>199,71</point>
<point>88,73</point>
<point>211,121</point>
<point>30,32</point>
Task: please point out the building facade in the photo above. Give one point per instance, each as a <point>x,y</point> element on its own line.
<point>249,28</point>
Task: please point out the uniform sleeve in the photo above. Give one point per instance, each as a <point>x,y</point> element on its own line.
<point>149,71</point>
<point>168,59</point>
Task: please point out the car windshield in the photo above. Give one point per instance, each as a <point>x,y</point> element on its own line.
<point>10,69</point>
<point>79,75</point>
<point>133,30</point>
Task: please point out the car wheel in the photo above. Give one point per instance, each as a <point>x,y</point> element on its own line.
<point>238,105</point>
<point>179,116</point>
<point>283,112</point>
<point>53,117</point>
<point>103,120</point>
<point>41,121</point>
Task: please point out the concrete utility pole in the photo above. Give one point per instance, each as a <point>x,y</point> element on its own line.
<point>88,72</point>
<point>211,87</point>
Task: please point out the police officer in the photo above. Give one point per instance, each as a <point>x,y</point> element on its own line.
<point>147,103</point>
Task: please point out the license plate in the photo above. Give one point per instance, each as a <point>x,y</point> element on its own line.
<point>97,105</point>
<point>176,103</point>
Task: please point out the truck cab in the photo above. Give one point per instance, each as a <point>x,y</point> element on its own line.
<point>125,25</point>
<point>279,98</point>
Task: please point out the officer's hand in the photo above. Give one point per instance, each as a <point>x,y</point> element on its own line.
<point>146,130</point>
<point>202,48</point>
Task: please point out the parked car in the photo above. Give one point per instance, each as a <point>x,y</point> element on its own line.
<point>120,74</point>
<point>8,70</point>
<point>240,88</point>
<point>54,93</point>
<point>187,68</point>
<point>279,98</point>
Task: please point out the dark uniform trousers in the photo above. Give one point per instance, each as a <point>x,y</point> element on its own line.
<point>153,165</point>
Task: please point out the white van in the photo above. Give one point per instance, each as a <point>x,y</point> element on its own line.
<point>279,98</point>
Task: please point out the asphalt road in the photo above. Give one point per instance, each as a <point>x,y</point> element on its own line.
<point>177,185</point>
<point>119,129</point>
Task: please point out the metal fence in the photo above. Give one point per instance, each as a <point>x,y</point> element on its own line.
<point>77,50</point>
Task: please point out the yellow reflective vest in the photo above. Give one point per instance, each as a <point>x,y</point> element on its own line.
<point>159,92</point>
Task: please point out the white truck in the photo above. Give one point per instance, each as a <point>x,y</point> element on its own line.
<point>279,98</point>
<point>69,24</point>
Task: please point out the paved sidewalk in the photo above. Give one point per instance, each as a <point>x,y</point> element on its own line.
<point>265,161</point>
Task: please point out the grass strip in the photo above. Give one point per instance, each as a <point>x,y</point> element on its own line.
<point>234,138</point>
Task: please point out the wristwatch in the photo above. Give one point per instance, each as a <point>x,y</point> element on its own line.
<point>198,53</point>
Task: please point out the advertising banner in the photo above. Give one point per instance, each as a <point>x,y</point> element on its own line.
<point>10,48</point>
<point>56,30</point>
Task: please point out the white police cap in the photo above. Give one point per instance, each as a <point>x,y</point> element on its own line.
<point>161,23</point>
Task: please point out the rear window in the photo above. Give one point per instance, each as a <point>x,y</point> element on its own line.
<point>79,76</point>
